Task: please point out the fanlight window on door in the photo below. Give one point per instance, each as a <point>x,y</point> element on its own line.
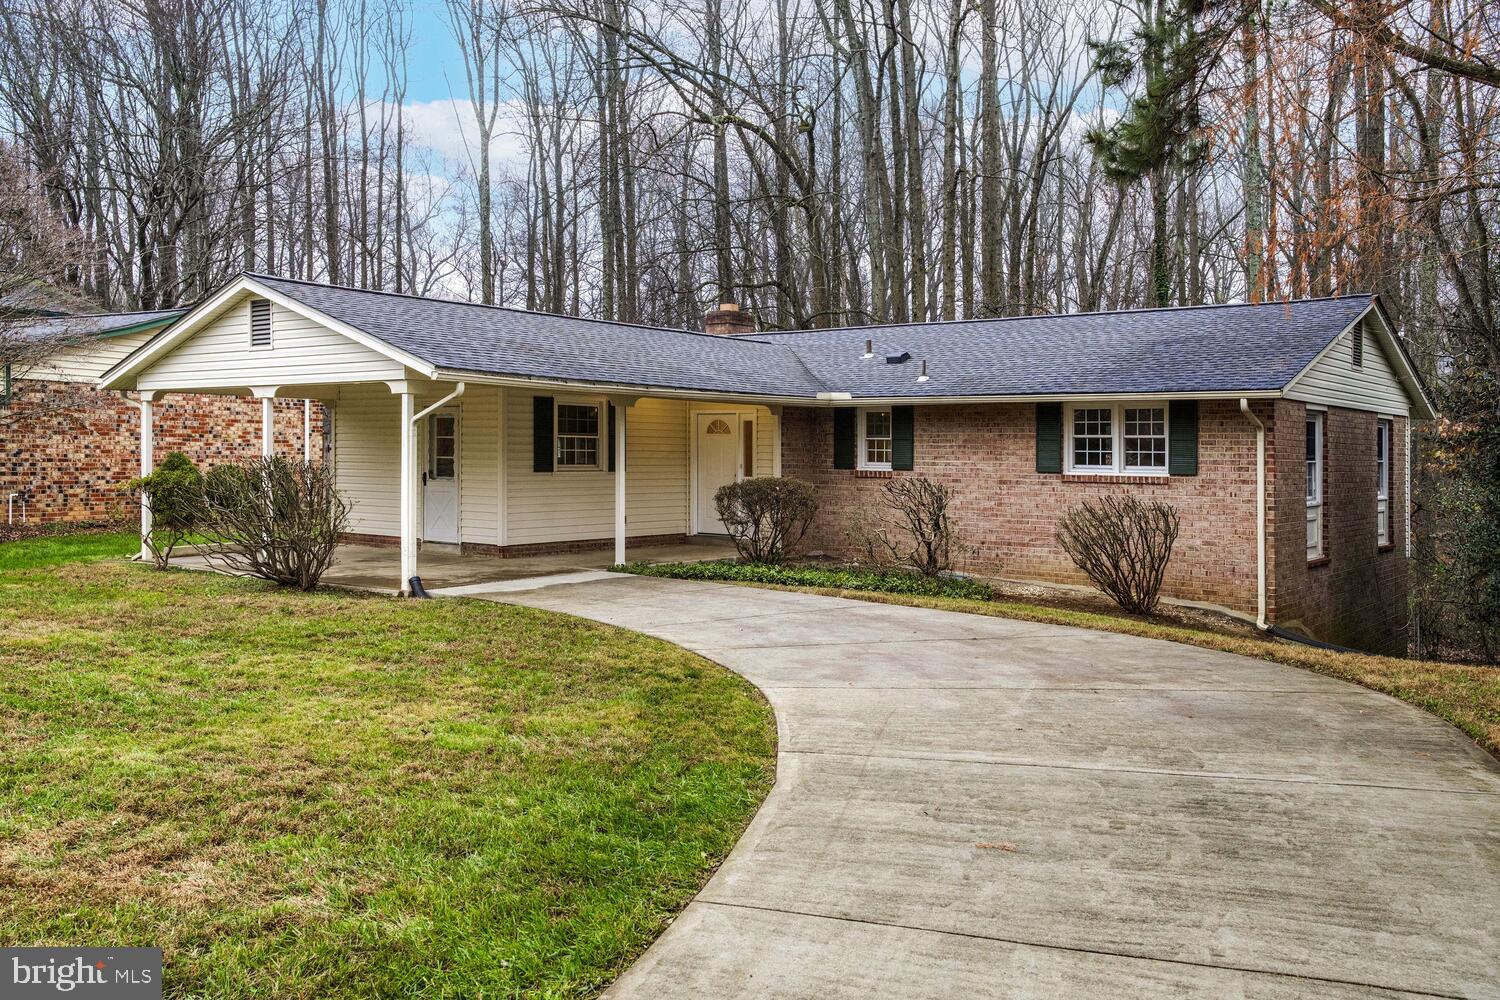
<point>717,426</point>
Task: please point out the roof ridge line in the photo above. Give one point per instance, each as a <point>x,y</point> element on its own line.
<point>510,309</point>
<point>1066,315</point>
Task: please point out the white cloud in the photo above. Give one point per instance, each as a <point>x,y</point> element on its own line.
<point>447,127</point>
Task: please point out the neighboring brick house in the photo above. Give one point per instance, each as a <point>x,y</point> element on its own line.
<point>504,431</point>
<point>66,446</point>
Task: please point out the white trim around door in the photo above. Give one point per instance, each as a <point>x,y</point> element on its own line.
<point>740,428</point>
<point>440,476</point>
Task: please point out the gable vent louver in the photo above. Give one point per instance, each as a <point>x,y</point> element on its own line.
<point>1359,347</point>
<point>260,323</point>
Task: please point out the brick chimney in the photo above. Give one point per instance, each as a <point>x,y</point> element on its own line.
<point>726,320</point>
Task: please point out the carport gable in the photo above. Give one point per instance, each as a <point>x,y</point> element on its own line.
<point>250,334</point>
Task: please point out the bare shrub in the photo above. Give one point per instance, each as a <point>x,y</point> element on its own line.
<point>173,493</point>
<point>276,519</point>
<point>927,538</point>
<point>767,516</point>
<point>1124,545</point>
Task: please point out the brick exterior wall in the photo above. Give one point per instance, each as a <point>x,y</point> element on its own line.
<point>1006,511</point>
<point>1356,594</point>
<point>70,463</point>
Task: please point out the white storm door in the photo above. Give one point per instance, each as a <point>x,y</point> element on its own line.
<point>440,479</point>
<point>718,464</point>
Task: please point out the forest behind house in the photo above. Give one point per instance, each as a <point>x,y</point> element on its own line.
<point>821,162</point>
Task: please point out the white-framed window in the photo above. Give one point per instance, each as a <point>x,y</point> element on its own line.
<point>1314,485</point>
<point>577,427</point>
<point>442,445</point>
<point>874,439</point>
<point>1117,438</point>
<point>1383,482</point>
<point>260,324</point>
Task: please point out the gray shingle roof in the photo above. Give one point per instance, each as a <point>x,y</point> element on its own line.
<point>494,340</point>
<point>1227,348</point>
<point>1210,349</point>
<point>93,325</point>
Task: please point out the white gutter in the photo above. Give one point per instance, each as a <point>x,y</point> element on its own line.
<point>535,383</point>
<point>1260,513</point>
<point>440,403</point>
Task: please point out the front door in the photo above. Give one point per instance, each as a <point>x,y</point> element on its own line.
<point>440,478</point>
<point>718,452</point>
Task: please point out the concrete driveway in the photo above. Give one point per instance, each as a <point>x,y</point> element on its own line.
<point>971,807</point>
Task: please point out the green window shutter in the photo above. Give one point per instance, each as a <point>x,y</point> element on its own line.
<point>1182,437</point>
<point>1049,437</point>
<point>611,417</point>
<point>844,436</point>
<point>903,450</point>
<point>541,433</point>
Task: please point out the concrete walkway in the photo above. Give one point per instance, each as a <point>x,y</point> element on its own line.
<point>970,807</point>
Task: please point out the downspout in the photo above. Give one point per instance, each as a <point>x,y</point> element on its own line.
<point>1260,514</point>
<point>459,391</point>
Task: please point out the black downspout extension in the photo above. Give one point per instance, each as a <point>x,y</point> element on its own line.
<point>1282,633</point>
<point>416,588</point>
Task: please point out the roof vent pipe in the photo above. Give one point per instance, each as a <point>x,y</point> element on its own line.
<point>923,377</point>
<point>869,349</point>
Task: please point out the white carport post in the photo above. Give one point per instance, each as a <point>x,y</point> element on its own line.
<point>621,405</point>
<point>307,430</point>
<point>147,464</point>
<point>267,396</point>
<point>408,487</point>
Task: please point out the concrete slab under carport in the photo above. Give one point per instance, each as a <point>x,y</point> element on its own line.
<point>376,567</point>
<point>970,806</point>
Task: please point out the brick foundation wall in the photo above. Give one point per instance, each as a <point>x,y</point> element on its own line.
<point>1356,594</point>
<point>1007,512</point>
<point>70,463</point>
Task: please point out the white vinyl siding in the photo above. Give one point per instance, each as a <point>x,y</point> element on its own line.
<point>367,458</point>
<point>302,352</point>
<point>1315,460</point>
<point>479,465</point>
<point>542,507</point>
<point>1335,380</point>
<point>578,504</point>
<point>87,361</point>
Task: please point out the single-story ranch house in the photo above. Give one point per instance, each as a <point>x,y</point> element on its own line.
<point>66,446</point>
<point>1279,431</point>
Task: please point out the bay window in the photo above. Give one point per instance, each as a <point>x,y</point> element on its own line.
<point>1124,438</point>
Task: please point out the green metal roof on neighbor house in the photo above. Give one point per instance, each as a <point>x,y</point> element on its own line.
<point>1250,349</point>
<point>98,324</point>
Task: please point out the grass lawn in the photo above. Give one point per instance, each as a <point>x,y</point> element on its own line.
<point>325,795</point>
<point>1464,694</point>
<point>53,550</point>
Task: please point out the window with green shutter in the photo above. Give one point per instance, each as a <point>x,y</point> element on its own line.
<point>1182,445</point>
<point>1049,437</point>
<point>845,432</point>
<point>541,433</point>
